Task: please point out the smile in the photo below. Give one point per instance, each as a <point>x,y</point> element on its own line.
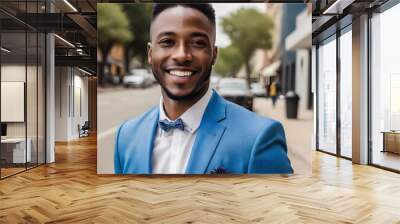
<point>180,73</point>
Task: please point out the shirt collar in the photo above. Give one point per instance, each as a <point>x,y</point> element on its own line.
<point>193,116</point>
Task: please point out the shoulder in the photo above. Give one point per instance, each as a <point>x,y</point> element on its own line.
<point>136,122</point>
<point>245,118</point>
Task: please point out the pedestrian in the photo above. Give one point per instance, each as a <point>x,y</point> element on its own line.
<point>194,130</point>
<point>273,93</point>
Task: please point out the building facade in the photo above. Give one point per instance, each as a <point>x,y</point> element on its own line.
<point>299,41</point>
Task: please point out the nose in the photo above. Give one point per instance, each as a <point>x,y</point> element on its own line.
<point>183,54</point>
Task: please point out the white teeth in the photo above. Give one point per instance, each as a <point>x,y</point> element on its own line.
<point>180,73</point>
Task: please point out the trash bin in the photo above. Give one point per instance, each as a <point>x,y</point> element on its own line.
<point>292,104</point>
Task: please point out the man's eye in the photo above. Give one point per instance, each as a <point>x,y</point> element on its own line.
<point>166,43</point>
<point>199,44</point>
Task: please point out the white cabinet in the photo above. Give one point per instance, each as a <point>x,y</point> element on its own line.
<point>18,149</point>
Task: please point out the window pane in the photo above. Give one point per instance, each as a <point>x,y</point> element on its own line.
<point>14,153</point>
<point>31,97</point>
<point>346,94</point>
<point>327,96</point>
<point>386,89</point>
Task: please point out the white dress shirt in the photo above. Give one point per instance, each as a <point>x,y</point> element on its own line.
<point>172,149</point>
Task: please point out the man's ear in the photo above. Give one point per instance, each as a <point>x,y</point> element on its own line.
<point>149,52</point>
<point>215,53</point>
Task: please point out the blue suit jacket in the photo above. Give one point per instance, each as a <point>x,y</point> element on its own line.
<point>230,138</point>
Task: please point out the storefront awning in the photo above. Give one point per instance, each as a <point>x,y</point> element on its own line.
<point>271,69</point>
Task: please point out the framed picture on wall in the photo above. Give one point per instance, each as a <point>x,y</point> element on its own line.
<point>12,101</point>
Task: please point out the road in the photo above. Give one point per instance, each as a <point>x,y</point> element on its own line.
<point>120,104</point>
<point>113,107</point>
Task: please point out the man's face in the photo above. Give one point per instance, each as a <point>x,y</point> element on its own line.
<point>182,51</point>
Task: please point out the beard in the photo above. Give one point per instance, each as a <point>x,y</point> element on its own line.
<point>202,83</point>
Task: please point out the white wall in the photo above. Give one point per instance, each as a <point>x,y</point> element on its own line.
<point>33,126</point>
<point>62,82</point>
<point>81,104</point>
<point>71,94</point>
<point>16,73</point>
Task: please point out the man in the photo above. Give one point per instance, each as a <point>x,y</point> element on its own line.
<point>194,130</point>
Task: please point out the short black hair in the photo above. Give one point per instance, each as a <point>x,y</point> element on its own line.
<point>204,8</point>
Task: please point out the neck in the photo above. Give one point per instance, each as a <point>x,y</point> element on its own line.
<point>175,108</point>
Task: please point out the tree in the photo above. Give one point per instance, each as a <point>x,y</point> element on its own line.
<point>139,16</point>
<point>229,61</point>
<point>112,27</point>
<point>248,30</point>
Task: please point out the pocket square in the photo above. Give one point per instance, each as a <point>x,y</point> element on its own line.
<point>219,170</point>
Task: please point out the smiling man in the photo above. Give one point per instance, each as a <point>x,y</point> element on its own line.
<point>194,130</point>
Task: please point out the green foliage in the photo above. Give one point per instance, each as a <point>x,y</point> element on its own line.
<point>248,30</point>
<point>112,25</point>
<point>139,16</point>
<point>229,61</point>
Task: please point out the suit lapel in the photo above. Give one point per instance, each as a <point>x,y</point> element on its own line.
<point>208,136</point>
<point>143,161</point>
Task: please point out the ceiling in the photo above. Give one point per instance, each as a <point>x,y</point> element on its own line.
<point>72,20</point>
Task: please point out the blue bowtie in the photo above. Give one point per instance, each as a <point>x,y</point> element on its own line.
<point>168,125</point>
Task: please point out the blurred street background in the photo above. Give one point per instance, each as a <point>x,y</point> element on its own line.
<point>264,64</point>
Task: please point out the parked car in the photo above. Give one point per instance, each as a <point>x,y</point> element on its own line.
<point>138,78</point>
<point>237,91</point>
<point>258,90</point>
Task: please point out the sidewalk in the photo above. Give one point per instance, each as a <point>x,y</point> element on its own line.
<point>108,89</point>
<point>298,132</point>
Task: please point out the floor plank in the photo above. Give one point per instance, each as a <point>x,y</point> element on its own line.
<point>70,191</point>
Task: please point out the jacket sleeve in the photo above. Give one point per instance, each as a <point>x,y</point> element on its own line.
<point>269,152</point>
<point>117,162</point>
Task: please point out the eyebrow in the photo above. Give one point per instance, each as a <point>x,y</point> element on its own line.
<point>199,34</point>
<point>167,33</point>
<point>194,34</point>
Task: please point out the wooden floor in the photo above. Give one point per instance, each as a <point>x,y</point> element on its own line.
<point>10,171</point>
<point>70,191</point>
